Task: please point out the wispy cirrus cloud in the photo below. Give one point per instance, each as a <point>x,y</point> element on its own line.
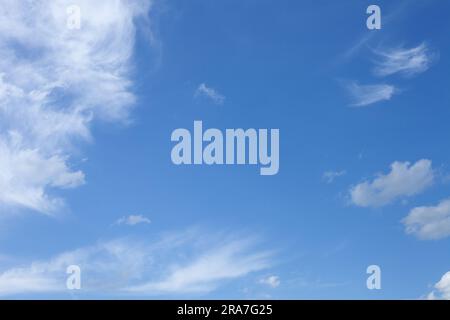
<point>400,8</point>
<point>365,95</point>
<point>115,262</point>
<point>133,220</point>
<point>188,262</point>
<point>271,281</point>
<point>330,176</point>
<point>429,223</point>
<point>54,82</point>
<point>204,91</point>
<point>26,173</point>
<point>224,262</point>
<point>405,61</point>
<point>403,180</point>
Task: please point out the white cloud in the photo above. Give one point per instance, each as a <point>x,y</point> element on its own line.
<point>133,220</point>
<point>364,95</point>
<point>431,222</point>
<point>406,61</point>
<point>114,262</point>
<point>27,280</point>
<point>186,262</point>
<point>54,81</point>
<point>442,288</point>
<point>404,180</point>
<point>26,173</point>
<point>223,262</point>
<point>210,93</point>
<point>271,281</point>
<point>330,176</point>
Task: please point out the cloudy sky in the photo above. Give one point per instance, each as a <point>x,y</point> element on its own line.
<point>86,178</point>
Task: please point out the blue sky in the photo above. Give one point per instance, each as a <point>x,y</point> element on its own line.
<point>86,120</point>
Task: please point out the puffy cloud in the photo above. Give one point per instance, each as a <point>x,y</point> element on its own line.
<point>214,95</point>
<point>442,288</point>
<point>406,61</point>
<point>429,223</point>
<point>54,81</point>
<point>364,95</point>
<point>404,180</point>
